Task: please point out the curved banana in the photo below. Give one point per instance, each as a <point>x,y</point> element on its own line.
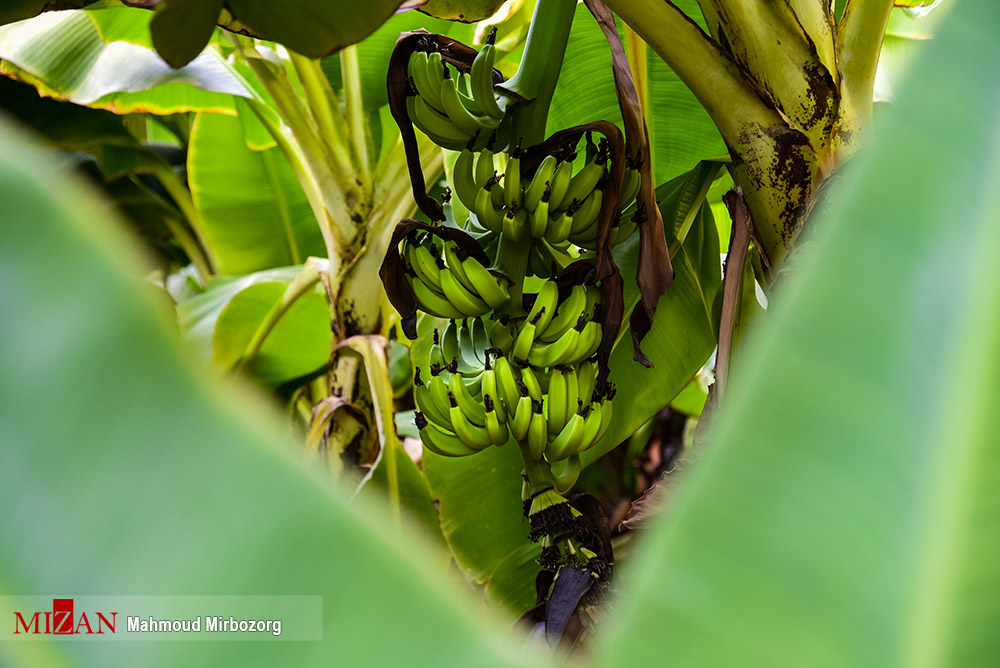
<point>531,383</point>
<point>425,265</point>
<point>482,80</point>
<point>540,182</point>
<point>417,69</point>
<point>560,184</point>
<point>514,227</point>
<point>501,337</point>
<point>439,441</point>
<point>623,230</point>
<point>453,256</point>
<point>544,309</point>
<point>566,472</point>
<point>630,187</point>
<point>435,124</point>
<point>475,436</point>
<point>464,178</point>
<point>459,393</point>
<point>540,217</point>
<point>438,393</point>
<point>585,180</point>
<point>590,341</point>
<point>437,351</point>
<point>572,391</point>
<point>555,401</point>
<point>522,344</point>
<point>606,413</point>
<point>464,119</point>
<point>560,351</point>
<point>586,213</point>
<point>425,402</point>
<point>486,213</point>
<point>558,229</point>
<point>449,341</point>
<point>591,426</point>
<point>586,376</point>
<point>522,418</point>
<point>512,195</point>
<point>568,440</point>
<point>492,390</point>
<point>566,315</point>
<point>461,298</point>
<point>433,302</point>
<point>538,433</point>
<point>485,167</point>
<point>486,285</point>
<point>495,427</point>
<point>464,84</point>
<point>507,388</point>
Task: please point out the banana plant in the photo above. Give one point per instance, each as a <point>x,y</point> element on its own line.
<point>835,533</point>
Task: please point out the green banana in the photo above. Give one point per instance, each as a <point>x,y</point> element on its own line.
<point>485,167</point>
<point>540,182</point>
<point>491,389</point>
<point>425,402</point>
<point>568,440</point>
<point>482,79</point>
<point>463,119</point>
<point>566,472</point>
<point>558,229</point>
<point>475,436</point>
<point>630,187</point>
<point>469,304</point>
<point>417,69</point>
<point>435,124</point>
<point>585,215</point>
<point>438,392</point>
<point>512,195</point>
<point>532,383</point>
<point>495,427</point>
<point>425,265</point>
<point>586,376</point>
<point>437,355</point>
<point>544,309</point>
<point>560,184</point>
<point>538,434</point>
<point>433,302</point>
<point>522,344</point>
<point>572,390</point>
<point>522,418</point>
<point>501,337</point>
<point>584,181</point>
<point>590,341</point>
<point>440,441</point>
<point>486,285</point>
<point>464,178</point>
<point>591,426</point>
<point>556,401</point>
<point>449,341</point>
<point>540,217</point>
<point>506,384</point>
<point>453,260</point>
<point>623,230</point>
<point>606,413</point>
<point>464,83</point>
<point>566,315</point>
<point>514,224</point>
<point>486,213</point>
<point>561,351</point>
<point>459,393</point>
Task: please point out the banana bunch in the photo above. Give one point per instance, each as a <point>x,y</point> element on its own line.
<point>554,333</point>
<point>454,413</point>
<point>555,207</point>
<point>455,110</point>
<point>447,282</point>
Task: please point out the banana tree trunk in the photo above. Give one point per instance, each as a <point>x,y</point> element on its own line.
<point>789,87</point>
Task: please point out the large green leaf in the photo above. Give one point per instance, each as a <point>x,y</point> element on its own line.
<point>63,55</point>
<point>255,213</point>
<point>157,483</point>
<point>845,512</point>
